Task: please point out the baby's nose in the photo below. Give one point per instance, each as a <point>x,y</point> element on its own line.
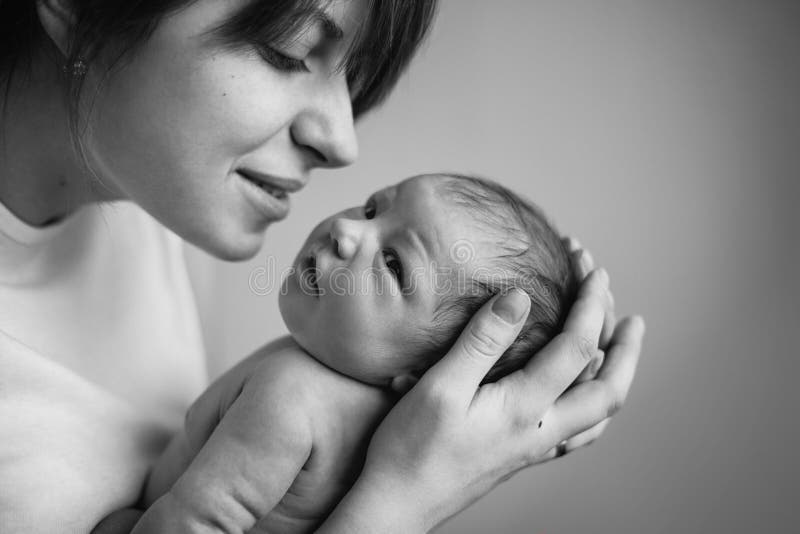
<point>343,238</point>
<point>344,248</point>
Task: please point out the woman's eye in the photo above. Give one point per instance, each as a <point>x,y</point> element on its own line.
<point>393,264</point>
<point>280,60</point>
<point>370,209</point>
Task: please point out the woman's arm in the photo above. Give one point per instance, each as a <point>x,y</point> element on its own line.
<point>467,438</point>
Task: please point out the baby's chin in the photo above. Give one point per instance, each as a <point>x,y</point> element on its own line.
<point>340,357</point>
<point>342,360</point>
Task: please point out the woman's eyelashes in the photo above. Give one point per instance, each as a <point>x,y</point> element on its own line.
<point>281,61</point>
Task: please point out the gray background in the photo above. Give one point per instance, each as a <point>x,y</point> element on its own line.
<point>665,135</point>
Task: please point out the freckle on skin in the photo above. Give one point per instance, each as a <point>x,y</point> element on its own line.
<point>540,424</point>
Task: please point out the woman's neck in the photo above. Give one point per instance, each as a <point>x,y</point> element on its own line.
<point>42,180</point>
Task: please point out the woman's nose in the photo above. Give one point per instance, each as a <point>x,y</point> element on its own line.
<point>345,237</point>
<point>324,128</point>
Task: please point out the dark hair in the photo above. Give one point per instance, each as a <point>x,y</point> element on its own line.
<point>384,47</point>
<point>530,256</point>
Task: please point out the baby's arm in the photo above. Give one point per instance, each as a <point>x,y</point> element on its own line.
<point>206,413</point>
<point>247,464</point>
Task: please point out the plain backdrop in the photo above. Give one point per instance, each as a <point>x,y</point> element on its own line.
<point>665,135</point>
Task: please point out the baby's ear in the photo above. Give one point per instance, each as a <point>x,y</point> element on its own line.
<point>402,383</point>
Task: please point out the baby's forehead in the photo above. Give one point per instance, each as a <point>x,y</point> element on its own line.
<point>461,231</point>
<point>426,194</point>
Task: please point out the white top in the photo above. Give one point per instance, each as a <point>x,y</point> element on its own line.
<point>100,355</point>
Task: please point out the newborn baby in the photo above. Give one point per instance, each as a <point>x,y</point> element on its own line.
<point>378,294</point>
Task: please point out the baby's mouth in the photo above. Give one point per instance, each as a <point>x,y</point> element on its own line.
<point>309,274</point>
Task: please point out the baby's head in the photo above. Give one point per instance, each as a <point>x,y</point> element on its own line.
<point>381,291</point>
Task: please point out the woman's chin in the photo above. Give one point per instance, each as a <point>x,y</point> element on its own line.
<point>239,247</point>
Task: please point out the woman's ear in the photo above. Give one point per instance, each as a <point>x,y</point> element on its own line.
<point>56,17</point>
<point>402,383</point>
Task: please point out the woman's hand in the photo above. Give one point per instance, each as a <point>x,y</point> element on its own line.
<point>449,441</point>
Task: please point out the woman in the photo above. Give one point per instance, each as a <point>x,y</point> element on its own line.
<point>205,114</point>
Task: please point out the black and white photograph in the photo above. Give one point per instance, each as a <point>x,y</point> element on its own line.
<point>399,266</point>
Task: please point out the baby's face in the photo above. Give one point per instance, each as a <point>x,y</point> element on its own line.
<point>380,271</point>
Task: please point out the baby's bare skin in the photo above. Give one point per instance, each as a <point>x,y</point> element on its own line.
<point>306,422</point>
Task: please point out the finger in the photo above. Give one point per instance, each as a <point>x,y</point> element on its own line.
<point>587,437</point>
<point>589,403</point>
<point>585,318</point>
<point>489,333</point>
<point>583,439</point>
<point>578,264</point>
<point>587,261</point>
<point>571,244</point>
<point>590,371</point>
<point>582,262</point>
<point>623,354</point>
<point>609,322</point>
<point>556,366</point>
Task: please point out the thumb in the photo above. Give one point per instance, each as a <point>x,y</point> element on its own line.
<point>487,336</point>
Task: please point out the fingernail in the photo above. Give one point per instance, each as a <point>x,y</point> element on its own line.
<point>587,259</point>
<point>603,274</point>
<point>596,363</point>
<point>512,306</point>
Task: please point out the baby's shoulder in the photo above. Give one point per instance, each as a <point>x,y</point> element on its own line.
<point>293,375</point>
<point>289,370</point>
<point>288,366</point>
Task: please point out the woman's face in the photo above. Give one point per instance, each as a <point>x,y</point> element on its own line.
<point>187,126</point>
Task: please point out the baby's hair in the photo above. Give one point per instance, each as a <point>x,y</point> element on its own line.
<point>529,256</point>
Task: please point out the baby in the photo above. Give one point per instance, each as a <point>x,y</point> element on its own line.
<point>378,294</point>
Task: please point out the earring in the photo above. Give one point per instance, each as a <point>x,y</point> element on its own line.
<point>77,69</point>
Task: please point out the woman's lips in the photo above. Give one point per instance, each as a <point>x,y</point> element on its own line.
<point>270,201</point>
<point>274,185</point>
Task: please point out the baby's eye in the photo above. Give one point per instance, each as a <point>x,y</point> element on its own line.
<point>392,261</point>
<point>370,208</point>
